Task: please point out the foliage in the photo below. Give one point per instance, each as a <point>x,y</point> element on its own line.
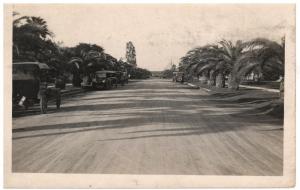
<point>32,40</point>
<point>168,73</point>
<point>235,61</point>
<point>262,53</point>
<point>130,53</point>
<point>139,73</point>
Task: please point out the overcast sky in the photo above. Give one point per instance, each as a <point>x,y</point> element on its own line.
<point>160,33</point>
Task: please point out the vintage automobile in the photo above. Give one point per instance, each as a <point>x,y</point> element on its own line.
<point>126,77</point>
<point>178,77</point>
<point>122,77</point>
<point>100,80</point>
<point>31,85</point>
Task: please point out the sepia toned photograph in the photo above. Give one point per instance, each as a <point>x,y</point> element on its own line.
<point>162,90</point>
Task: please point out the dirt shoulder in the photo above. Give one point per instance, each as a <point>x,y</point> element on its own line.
<point>262,102</point>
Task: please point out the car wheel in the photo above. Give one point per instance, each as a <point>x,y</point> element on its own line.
<point>58,100</point>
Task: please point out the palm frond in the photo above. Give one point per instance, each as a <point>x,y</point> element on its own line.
<point>209,66</point>
<point>227,46</point>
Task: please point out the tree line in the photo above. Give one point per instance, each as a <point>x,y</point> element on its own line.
<point>214,63</point>
<point>33,41</point>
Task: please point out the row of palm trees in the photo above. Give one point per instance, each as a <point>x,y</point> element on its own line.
<point>86,58</point>
<point>214,63</point>
<point>32,41</point>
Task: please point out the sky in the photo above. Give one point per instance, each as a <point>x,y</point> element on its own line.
<point>160,33</point>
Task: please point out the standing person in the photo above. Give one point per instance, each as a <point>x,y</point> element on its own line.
<point>182,78</point>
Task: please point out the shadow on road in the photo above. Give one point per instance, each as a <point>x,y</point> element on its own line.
<point>154,128</point>
<point>134,107</point>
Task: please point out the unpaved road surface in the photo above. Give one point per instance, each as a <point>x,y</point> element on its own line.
<point>148,127</point>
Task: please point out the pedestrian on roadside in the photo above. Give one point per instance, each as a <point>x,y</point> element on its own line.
<point>182,78</point>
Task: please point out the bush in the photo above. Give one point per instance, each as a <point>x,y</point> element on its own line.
<point>139,73</point>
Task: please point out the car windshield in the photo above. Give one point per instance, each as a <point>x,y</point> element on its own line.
<point>25,72</point>
<point>101,75</point>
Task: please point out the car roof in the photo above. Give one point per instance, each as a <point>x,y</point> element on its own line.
<point>40,65</point>
<point>99,72</point>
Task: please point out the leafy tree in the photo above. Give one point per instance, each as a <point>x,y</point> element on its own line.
<point>259,54</point>
<point>215,62</point>
<point>130,53</point>
<point>139,73</point>
<point>86,58</point>
<point>32,39</point>
<point>201,61</point>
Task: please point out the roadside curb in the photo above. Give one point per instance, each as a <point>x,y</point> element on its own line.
<point>244,86</point>
<point>198,87</point>
<point>260,88</point>
<point>192,85</point>
<point>72,92</point>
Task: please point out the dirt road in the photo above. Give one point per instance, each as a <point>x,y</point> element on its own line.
<point>148,127</point>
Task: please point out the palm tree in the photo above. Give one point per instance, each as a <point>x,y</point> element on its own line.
<point>88,58</point>
<point>200,60</point>
<point>85,58</point>
<point>76,65</point>
<point>216,71</point>
<point>213,66</point>
<point>234,61</point>
<point>31,39</point>
<point>229,53</point>
<point>258,53</point>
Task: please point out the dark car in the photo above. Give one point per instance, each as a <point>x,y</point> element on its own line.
<point>122,77</point>
<point>31,85</point>
<point>178,76</point>
<point>100,80</point>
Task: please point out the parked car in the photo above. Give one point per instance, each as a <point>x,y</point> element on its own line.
<point>31,85</point>
<point>122,77</point>
<point>174,76</point>
<point>100,80</point>
<point>178,77</point>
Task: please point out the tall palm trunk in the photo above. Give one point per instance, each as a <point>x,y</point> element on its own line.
<point>220,80</point>
<point>76,79</point>
<point>212,79</point>
<point>233,82</point>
